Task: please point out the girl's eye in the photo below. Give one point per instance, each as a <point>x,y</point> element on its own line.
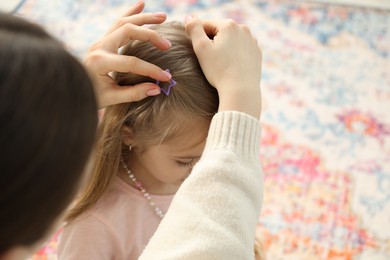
<point>185,164</point>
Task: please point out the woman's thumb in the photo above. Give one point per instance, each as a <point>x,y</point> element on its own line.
<point>197,33</point>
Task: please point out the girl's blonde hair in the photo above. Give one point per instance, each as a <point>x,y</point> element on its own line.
<point>153,120</point>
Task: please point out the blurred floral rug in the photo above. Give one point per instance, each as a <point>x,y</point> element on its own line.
<point>326,120</point>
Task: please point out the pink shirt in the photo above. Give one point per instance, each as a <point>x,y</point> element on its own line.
<point>119,226</point>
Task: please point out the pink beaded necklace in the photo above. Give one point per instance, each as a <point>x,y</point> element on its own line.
<point>147,196</point>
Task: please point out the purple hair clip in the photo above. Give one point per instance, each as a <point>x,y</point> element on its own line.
<point>168,89</point>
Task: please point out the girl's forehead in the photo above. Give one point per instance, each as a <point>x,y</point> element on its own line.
<point>192,136</point>
<point>193,148</point>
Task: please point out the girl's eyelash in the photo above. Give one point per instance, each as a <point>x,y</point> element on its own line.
<point>184,164</point>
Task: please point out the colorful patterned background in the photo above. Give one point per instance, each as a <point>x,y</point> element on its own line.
<point>326,120</point>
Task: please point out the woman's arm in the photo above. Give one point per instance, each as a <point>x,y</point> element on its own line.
<point>214,213</point>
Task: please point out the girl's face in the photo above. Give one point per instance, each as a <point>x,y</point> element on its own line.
<point>161,169</point>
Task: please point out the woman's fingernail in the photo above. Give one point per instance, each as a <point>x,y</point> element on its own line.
<point>153,92</point>
<point>189,18</point>
<point>159,15</point>
<point>138,2</point>
<point>167,43</point>
<point>166,74</point>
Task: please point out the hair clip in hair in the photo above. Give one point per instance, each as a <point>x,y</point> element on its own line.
<point>168,89</point>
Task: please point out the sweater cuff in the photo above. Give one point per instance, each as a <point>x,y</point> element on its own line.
<point>234,131</point>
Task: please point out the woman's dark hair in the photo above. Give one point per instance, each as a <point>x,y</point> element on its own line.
<point>48,117</point>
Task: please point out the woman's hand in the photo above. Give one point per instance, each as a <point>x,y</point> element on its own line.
<point>231,61</point>
<point>103,58</point>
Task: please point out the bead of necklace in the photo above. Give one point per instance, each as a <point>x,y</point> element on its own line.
<point>146,195</point>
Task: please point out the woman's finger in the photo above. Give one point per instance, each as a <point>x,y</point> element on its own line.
<point>135,9</point>
<point>104,62</point>
<point>197,32</point>
<point>213,27</point>
<point>124,94</point>
<point>121,36</point>
<point>139,19</point>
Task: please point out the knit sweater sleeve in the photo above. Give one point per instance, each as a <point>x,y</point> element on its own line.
<point>214,213</point>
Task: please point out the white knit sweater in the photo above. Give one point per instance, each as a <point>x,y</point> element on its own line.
<point>215,211</point>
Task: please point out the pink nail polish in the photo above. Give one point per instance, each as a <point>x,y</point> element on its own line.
<point>189,18</point>
<point>153,92</point>
<point>167,42</point>
<point>159,15</point>
<point>166,74</point>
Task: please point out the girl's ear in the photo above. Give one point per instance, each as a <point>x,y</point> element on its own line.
<point>128,137</point>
